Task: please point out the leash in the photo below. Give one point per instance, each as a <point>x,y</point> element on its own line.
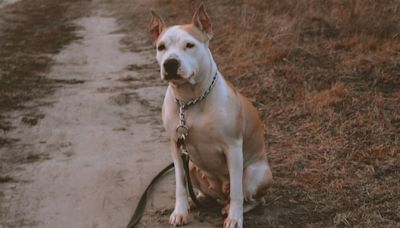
<point>137,215</point>
<point>183,131</point>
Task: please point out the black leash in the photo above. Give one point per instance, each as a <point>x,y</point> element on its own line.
<point>185,160</point>
<point>138,214</point>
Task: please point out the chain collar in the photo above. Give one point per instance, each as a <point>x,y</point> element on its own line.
<point>197,99</point>
<point>182,130</point>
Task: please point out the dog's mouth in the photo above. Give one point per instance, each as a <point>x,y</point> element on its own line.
<point>177,79</point>
<point>172,77</point>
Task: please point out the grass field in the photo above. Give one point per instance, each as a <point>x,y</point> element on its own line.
<point>325,76</point>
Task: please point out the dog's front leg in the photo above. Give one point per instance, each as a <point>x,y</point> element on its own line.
<point>180,214</point>
<point>234,157</point>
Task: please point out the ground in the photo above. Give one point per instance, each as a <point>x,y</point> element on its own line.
<point>80,97</point>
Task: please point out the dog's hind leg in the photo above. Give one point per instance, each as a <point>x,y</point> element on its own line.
<point>257,177</point>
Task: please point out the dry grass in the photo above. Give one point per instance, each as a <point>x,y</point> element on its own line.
<point>326,77</point>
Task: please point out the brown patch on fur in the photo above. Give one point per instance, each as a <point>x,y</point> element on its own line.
<point>253,126</point>
<point>206,184</point>
<point>189,28</point>
<point>195,32</point>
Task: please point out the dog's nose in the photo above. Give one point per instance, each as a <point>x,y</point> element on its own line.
<point>171,67</point>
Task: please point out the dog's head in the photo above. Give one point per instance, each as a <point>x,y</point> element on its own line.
<point>182,50</point>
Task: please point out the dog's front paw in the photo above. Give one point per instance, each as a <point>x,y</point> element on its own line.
<point>178,218</point>
<point>233,223</point>
<point>234,219</point>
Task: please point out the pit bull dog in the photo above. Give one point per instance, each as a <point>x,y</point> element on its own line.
<point>224,135</point>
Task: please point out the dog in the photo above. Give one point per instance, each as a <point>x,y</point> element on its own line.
<point>225,136</point>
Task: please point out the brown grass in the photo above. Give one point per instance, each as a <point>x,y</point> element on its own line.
<point>326,77</point>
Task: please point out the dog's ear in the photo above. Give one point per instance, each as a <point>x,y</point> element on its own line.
<point>157,25</point>
<point>201,21</point>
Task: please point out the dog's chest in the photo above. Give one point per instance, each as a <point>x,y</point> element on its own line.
<point>207,150</point>
<point>206,143</point>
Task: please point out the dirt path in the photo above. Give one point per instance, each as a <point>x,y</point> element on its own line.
<point>82,156</point>
<point>97,143</point>
<point>4,3</point>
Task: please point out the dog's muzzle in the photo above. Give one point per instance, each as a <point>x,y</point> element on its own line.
<point>171,67</point>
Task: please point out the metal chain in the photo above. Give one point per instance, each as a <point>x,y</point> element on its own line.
<point>182,130</point>
<point>184,106</point>
<point>198,99</point>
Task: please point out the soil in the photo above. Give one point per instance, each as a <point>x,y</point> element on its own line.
<point>79,152</point>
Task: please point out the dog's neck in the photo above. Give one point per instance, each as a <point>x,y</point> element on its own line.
<point>187,91</point>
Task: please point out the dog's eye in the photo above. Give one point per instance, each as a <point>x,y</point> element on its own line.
<point>189,45</point>
<point>161,47</point>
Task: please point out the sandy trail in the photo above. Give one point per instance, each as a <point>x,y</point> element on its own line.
<point>4,3</point>
<point>86,153</point>
<point>99,142</point>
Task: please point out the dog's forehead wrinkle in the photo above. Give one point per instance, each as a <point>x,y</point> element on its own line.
<point>178,34</point>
